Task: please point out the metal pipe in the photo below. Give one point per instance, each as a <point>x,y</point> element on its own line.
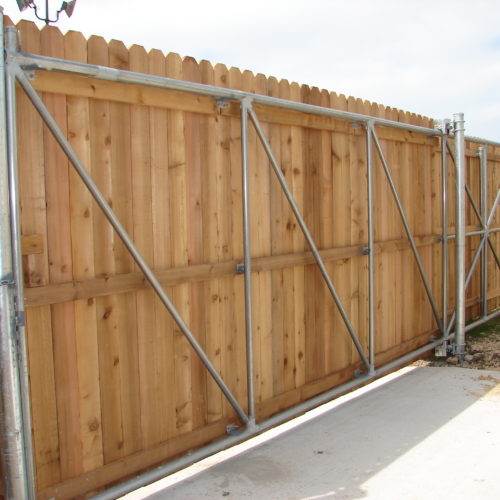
<point>122,233</point>
<point>486,142</point>
<point>307,234</point>
<point>490,243</point>
<point>34,62</point>
<point>15,210</point>
<point>409,234</point>
<point>467,190</point>
<point>371,306</point>
<point>483,320</point>
<point>479,322</point>
<point>478,214</point>
<point>493,249</point>
<point>479,232</point>
<point>480,248</point>
<point>444,208</point>
<point>16,457</point>
<point>483,166</point>
<point>187,460</point>
<point>247,261</point>
<point>459,129</point>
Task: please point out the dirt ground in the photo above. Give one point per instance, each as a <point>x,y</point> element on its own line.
<point>482,349</point>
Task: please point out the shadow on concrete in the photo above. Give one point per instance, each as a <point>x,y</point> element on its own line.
<point>409,423</point>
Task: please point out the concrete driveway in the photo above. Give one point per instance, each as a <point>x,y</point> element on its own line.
<point>420,433</point>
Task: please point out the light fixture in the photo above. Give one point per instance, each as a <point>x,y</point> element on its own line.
<point>67,7</point>
<point>23,4</point>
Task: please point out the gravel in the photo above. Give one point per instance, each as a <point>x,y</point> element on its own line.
<point>482,350</point>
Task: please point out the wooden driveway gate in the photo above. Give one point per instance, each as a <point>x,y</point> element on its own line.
<point>192,255</point>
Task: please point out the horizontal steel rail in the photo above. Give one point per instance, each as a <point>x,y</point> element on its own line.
<point>36,62</point>
<point>479,232</point>
<point>480,140</point>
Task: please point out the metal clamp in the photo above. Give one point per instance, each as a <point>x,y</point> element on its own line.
<point>445,126</point>
<point>20,319</point>
<point>240,268</point>
<point>233,429</point>
<point>221,104</point>
<point>366,251</point>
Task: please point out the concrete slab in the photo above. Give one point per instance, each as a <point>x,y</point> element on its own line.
<point>421,433</point>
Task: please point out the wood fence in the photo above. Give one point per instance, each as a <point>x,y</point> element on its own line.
<point>115,387</point>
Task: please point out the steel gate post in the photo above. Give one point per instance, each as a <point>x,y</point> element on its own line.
<point>371,307</point>
<point>16,443</point>
<point>444,262</point>
<point>483,166</point>
<point>459,132</point>
<point>247,261</point>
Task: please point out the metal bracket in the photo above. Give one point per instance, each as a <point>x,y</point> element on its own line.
<point>20,319</point>
<point>445,126</point>
<point>233,429</point>
<point>441,351</point>
<point>221,104</point>
<point>457,350</point>
<point>240,268</point>
<point>366,251</point>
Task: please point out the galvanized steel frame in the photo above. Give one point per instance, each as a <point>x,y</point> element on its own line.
<point>17,64</point>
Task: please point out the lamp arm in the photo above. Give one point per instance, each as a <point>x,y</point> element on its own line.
<point>47,19</point>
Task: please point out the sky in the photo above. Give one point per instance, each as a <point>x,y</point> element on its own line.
<point>433,58</point>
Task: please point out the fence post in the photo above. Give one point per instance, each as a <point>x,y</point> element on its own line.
<point>17,457</point>
<point>459,129</point>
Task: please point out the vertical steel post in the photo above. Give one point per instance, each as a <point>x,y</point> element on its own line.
<point>371,317</point>
<point>11,43</point>
<point>443,349</point>
<point>247,261</point>
<point>459,131</point>
<point>483,165</point>
<point>17,456</point>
